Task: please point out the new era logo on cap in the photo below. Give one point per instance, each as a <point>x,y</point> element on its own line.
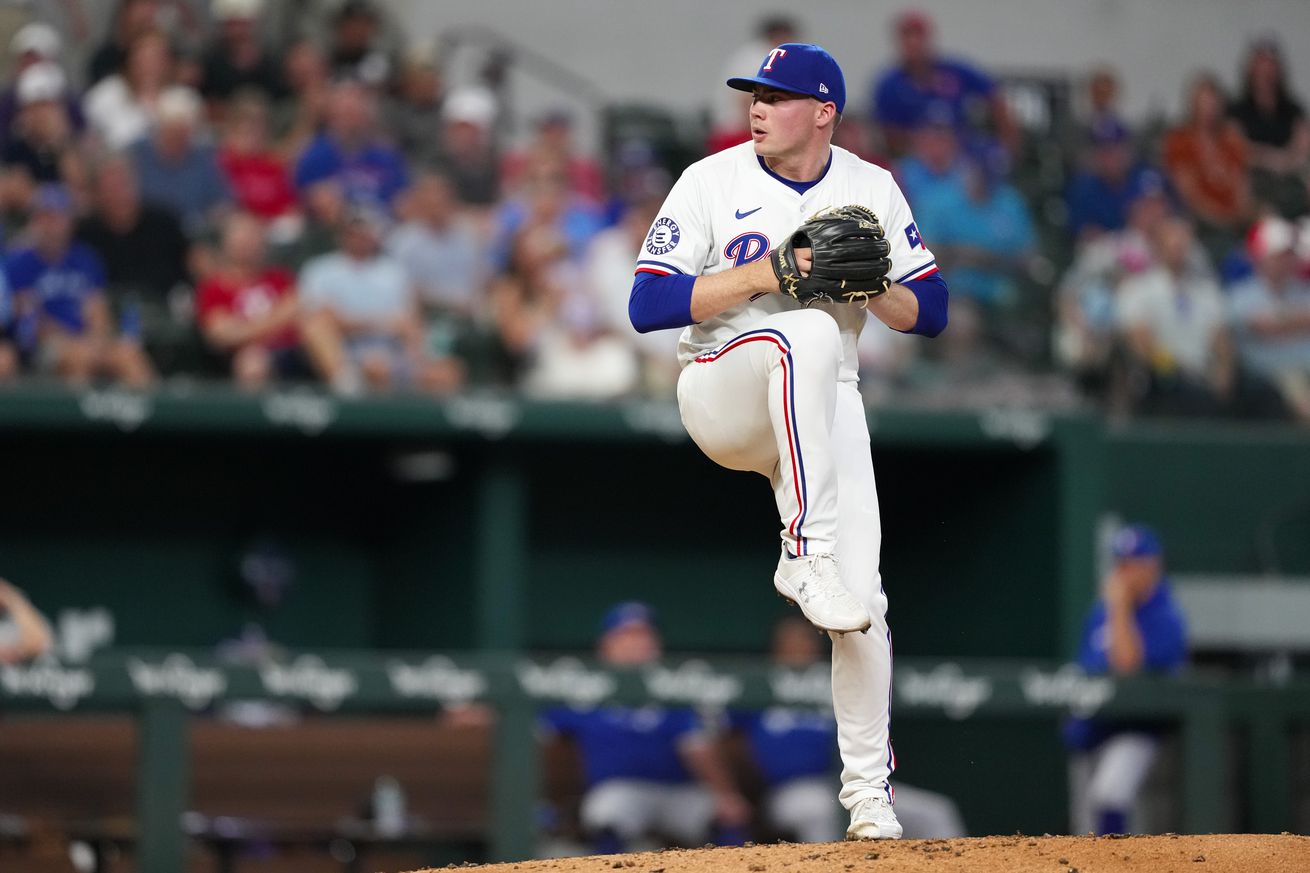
<point>801,68</point>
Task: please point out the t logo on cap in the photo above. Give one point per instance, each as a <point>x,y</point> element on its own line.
<point>809,70</point>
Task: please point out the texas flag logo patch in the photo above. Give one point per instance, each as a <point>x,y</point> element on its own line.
<point>916,239</point>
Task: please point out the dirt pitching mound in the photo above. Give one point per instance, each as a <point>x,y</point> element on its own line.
<point>1171,853</point>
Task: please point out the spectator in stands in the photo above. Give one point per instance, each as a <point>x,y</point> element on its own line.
<point>120,108</point>
<point>413,116</point>
<point>141,245</point>
<point>934,161</point>
<point>553,147</point>
<point>730,124</point>
<point>247,310</point>
<point>349,151</point>
<point>1086,331</point>
<point>541,241</point>
<point>236,58</point>
<point>469,155</point>
<point>176,168</point>
<point>608,266</point>
<point>1100,106</point>
<point>24,632</point>
<point>1276,129</point>
<point>35,43</point>
<point>324,208</point>
<point>64,321</point>
<point>256,171</point>
<point>921,79</point>
<point>444,259</point>
<point>1134,628</point>
<point>42,148</point>
<point>652,772</point>
<point>1175,329</point>
<point>355,46</point>
<point>1205,158</point>
<point>1271,314</point>
<point>577,356</point>
<point>360,319</point>
<point>8,330</point>
<point>981,232</point>
<point>1099,196</point>
<point>297,118</point>
<point>131,19</point>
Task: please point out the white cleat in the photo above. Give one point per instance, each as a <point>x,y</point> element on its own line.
<point>873,819</point>
<point>813,583</point>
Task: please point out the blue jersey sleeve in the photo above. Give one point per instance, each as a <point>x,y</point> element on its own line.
<point>932,294</point>
<point>684,723</point>
<point>975,81</point>
<point>22,269</point>
<point>1091,657</point>
<point>89,264</point>
<point>397,176</point>
<point>1164,636</point>
<point>558,720</point>
<point>888,106</point>
<point>660,302</point>
<point>319,162</point>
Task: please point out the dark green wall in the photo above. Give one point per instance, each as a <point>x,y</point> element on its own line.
<point>152,526</point>
<point>1225,500</point>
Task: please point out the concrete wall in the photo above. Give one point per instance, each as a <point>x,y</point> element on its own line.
<point>670,51</point>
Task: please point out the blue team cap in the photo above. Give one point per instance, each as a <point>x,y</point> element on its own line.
<point>52,198</point>
<point>1135,541</point>
<point>801,68</point>
<point>630,612</point>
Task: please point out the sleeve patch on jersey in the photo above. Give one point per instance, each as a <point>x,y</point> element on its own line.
<point>663,237</point>
<point>915,238</point>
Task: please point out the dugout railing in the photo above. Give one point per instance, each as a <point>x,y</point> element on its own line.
<point>163,689</point>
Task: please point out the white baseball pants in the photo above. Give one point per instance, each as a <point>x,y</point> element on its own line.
<point>770,400</point>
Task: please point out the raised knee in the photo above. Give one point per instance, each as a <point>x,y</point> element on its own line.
<point>813,331</point>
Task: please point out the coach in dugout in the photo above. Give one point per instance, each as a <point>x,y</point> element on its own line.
<point>652,773</point>
<point>1135,627</point>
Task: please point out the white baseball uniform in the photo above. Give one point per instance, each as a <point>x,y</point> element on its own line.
<point>770,386</point>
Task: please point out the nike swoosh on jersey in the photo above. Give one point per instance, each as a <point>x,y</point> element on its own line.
<point>741,214</point>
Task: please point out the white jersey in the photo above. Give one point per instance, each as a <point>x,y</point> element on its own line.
<point>729,209</point>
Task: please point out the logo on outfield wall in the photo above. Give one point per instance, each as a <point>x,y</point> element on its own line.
<point>566,679</point>
<point>308,678</point>
<point>1067,687</point>
<point>177,676</point>
<point>693,682</point>
<point>437,678</point>
<point>489,416</point>
<point>50,680</point>
<point>1023,427</point>
<point>657,418</point>
<point>946,687</point>
<point>123,409</point>
<point>309,413</point>
<point>811,686</point>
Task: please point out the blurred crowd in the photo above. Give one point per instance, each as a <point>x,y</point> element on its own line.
<point>224,191</point>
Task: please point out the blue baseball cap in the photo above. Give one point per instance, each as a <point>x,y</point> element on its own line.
<point>1135,541</point>
<point>622,614</point>
<point>801,68</point>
